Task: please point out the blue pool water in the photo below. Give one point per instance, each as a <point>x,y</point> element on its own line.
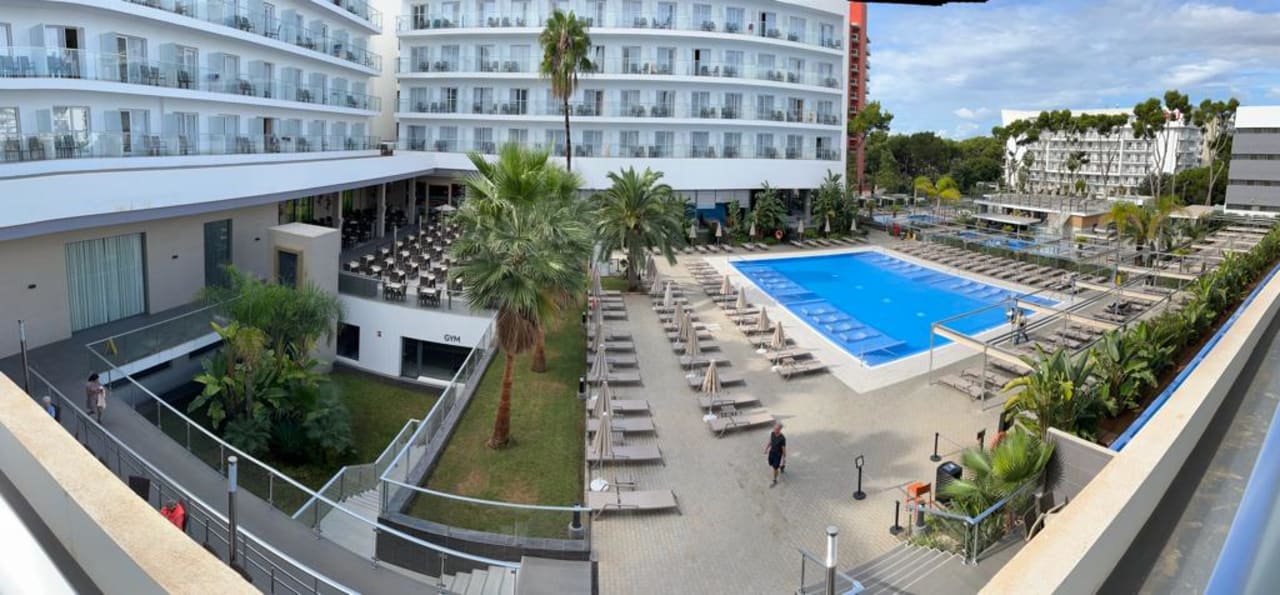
<point>876,307</point>
<point>905,219</point>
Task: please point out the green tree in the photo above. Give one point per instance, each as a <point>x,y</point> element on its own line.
<point>1016,459</point>
<point>1055,394</point>
<point>1214,119</point>
<point>923,185</point>
<point>768,213</point>
<point>946,190</point>
<point>1151,118</point>
<point>1122,371</point>
<point>565,48</point>
<point>888,177</point>
<point>507,261</point>
<point>871,118</point>
<point>638,213</point>
<point>828,203</point>
<point>293,319</point>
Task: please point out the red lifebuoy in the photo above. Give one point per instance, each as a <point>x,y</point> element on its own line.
<point>777,235</point>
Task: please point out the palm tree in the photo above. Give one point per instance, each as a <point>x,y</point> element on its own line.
<point>638,213</point>
<point>946,190</point>
<point>1055,394</point>
<point>768,212</point>
<point>922,185</point>
<point>828,203</point>
<point>565,45</point>
<point>1017,458</point>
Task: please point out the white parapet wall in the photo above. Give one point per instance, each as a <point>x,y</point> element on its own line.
<point>1079,550</point>
<point>123,545</point>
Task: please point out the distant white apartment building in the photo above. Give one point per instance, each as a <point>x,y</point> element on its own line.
<point>720,95</point>
<point>1253,180</point>
<point>1113,165</point>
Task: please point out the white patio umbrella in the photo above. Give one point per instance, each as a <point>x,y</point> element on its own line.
<point>599,316</point>
<point>741,304</point>
<point>853,224</point>
<point>693,231</point>
<point>826,227</point>
<point>651,267</point>
<point>726,287</point>
<point>599,371</point>
<point>597,290</point>
<point>779,338</point>
<point>604,401</point>
<point>711,382</point>
<point>693,348</point>
<point>762,326</point>
<point>719,232</point>
<point>668,296</point>
<point>800,229</point>
<point>603,442</point>
<point>752,231</point>
<point>682,322</point>
<point>656,288</point>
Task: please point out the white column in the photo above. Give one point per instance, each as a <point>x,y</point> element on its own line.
<point>382,211</point>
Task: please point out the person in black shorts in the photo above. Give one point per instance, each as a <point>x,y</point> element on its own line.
<point>776,449</point>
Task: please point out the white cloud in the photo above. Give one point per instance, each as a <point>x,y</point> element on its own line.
<point>928,61</point>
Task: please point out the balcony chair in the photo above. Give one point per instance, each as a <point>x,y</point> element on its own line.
<point>35,148</point>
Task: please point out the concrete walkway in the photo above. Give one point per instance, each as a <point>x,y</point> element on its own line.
<point>736,533</point>
<point>66,364</point>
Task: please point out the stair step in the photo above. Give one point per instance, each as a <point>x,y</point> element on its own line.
<point>460,582</point>
<point>497,578</point>
<point>476,585</point>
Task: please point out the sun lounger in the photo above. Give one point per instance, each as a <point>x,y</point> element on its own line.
<point>624,424</point>
<point>626,361</point>
<point>607,306</point>
<point>786,354</point>
<point>703,335</point>
<point>740,420</point>
<point>639,453</point>
<point>695,381</point>
<point>611,345</point>
<point>614,314</point>
<point>634,500</point>
<point>610,333</point>
<point>619,378</point>
<point>658,307</point>
<point>707,402</point>
<point>762,246</point>
<point>702,361</point>
<point>678,347</point>
<point>792,369</point>
<point>963,385</point>
<point>749,246</point>
<point>622,405</point>
<point>669,316</point>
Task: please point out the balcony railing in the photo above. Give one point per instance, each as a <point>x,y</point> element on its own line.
<point>474,19</point>
<point>614,109</point>
<point>627,150</point>
<point>93,145</point>
<point>59,63</point>
<point>230,14</point>
<point>467,63</point>
<point>361,9</point>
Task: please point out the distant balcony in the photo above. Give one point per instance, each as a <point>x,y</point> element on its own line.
<point>94,145</point>
<point>631,150</point>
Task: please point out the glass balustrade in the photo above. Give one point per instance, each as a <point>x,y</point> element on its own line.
<point>469,64</point>
<point>647,151</point>
<point>91,145</point>
<point>237,16</point>
<point>465,64</point>
<point>434,104</point>
<point>79,64</point>
<point>465,19</point>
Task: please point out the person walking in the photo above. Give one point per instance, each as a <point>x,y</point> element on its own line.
<point>776,450</point>
<point>95,397</point>
<point>47,402</point>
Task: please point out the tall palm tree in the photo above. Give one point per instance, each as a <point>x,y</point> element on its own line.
<point>565,48</point>
<point>828,204</point>
<point>946,190</point>
<point>638,213</point>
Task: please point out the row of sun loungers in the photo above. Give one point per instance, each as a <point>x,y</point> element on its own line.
<point>827,242</point>
<point>994,266</point>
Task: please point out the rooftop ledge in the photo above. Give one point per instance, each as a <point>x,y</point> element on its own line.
<point>118,539</point>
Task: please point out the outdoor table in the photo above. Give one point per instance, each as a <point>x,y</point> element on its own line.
<point>390,262</point>
<point>404,254</point>
<point>384,251</point>
<point>377,270</point>
<point>368,258</point>
<point>353,265</point>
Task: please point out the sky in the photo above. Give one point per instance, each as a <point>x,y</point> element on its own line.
<point>952,69</point>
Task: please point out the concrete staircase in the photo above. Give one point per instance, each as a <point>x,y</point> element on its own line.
<point>350,532</point>
<point>898,569</point>
<point>493,581</point>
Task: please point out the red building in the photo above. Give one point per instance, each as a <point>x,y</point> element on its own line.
<point>858,82</point>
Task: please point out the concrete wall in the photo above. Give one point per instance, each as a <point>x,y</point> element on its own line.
<point>1079,550</point>
<point>1075,463</point>
<point>123,545</point>
<point>382,325</point>
<point>170,281</point>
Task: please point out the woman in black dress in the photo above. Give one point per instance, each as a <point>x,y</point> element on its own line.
<point>776,449</point>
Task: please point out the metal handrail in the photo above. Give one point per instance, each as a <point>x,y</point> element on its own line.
<point>497,503</point>
<point>155,324</point>
<point>304,489</point>
<point>338,476</point>
<point>188,496</point>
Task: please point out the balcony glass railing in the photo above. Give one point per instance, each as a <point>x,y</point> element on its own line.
<point>674,151</point>
<point>92,145</point>
<point>79,64</point>
<point>616,109</point>
<point>471,19</point>
<point>230,14</point>
<point>361,9</point>
<point>468,65</point>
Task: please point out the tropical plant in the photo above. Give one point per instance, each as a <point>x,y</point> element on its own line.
<point>1055,394</point>
<point>946,190</point>
<point>828,203</point>
<point>565,47</point>
<point>768,212</point>
<point>1018,458</point>
<point>512,259</point>
<point>293,320</point>
<point>234,375</point>
<point>1122,370</point>
<point>638,213</point>
<point>922,185</point>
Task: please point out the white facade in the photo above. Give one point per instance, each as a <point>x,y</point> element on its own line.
<point>719,95</point>
<point>1114,165</point>
<point>85,79</point>
<point>1253,180</point>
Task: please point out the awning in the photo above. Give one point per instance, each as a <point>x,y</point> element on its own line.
<point>1009,219</point>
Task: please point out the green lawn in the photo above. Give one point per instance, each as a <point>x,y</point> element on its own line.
<point>543,463</point>
<point>379,408</point>
<point>613,283</point>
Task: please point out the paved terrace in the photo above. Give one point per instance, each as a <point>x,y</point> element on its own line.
<point>736,533</point>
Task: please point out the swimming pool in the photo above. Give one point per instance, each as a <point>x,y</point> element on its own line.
<point>876,307</point>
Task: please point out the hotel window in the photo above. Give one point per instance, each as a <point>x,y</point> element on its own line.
<point>555,141</point>
<point>765,66</point>
<point>827,35</point>
<point>702,17</point>
<point>795,145</point>
<point>592,142</point>
<point>734,19</point>
<point>629,140</point>
<point>450,11</point>
<point>449,100</point>
<point>732,144</point>
<point>631,60</point>
<point>448,139</point>
<point>486,59</point>
<point>518,136</point>
<point>592,102</point>
<point>519,101</point>
<point>764,107</point>
<point>105,280</point>
<point>633,14</point>
<point>666,60</point>
<point>700,104</point>
<point>72,120</point>
<point>449,56</point>
<point>732,107</point>
<point>519,59</point>
<point>483,140</point>
<point>795,32</point>
<point>520,13</point>
<point>795,109</point>
<point>733,63</point>
<point>663,143</point>
<point>595,13</point>
<point>666,18</point>
<point>9,123</point>
<point>764,145</point>
<point>631,103</point>
<point>488,13</point>
<point>6,39</point>
<point>418,13</point>
<point>665,104</point>
<point>699,143</point>
<point>420,59</point>
<point>482,100</point>
<point>795,70</point>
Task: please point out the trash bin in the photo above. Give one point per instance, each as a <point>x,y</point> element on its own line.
<point>948,472</point>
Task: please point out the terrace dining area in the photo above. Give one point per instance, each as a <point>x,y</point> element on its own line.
<point>410,266</point>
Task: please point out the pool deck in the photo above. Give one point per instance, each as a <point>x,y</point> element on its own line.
<point>736,534</point>
<point>848,368</point>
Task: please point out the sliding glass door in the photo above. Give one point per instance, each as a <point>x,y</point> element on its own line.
<point>105,280</point>
<point>217,252</point>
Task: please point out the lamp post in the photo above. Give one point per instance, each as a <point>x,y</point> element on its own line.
<point>858,494</point>
<point>232,464</point>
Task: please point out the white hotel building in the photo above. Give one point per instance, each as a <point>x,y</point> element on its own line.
<point>145,143</point>
<point>1116,164</point>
